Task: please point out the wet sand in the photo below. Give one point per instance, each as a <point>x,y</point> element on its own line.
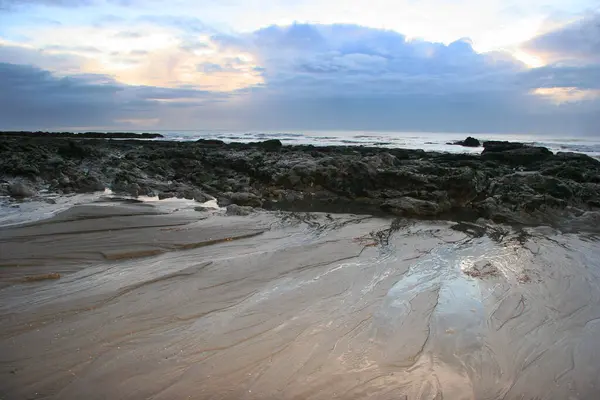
<point>164,304</point>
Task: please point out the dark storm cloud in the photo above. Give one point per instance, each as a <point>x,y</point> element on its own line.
<point>32,98</point>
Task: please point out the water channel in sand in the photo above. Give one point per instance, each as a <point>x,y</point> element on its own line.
<point>172,303</point>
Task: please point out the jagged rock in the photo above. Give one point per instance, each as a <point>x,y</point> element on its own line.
<point>509,181</point>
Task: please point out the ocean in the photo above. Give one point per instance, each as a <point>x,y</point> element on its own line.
<point>404,140</point>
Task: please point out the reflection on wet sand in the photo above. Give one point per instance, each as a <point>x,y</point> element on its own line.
<point>295,306</point>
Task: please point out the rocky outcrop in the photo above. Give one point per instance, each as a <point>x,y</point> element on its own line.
<point>507,182</point>
<point>89,135</point>
<point>494,146</point>
<point>469,142</point>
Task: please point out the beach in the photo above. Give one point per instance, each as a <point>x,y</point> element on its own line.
<point>206,270</point>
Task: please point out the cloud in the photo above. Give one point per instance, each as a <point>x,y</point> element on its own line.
<point>11,4</point>
<point>128,35</point>
<point>33,98</point>
<point>72,49</point>
<point>576,42</point>
<point>580,77</point>
<point>351,60</point>
<point>353,77</point>
<point>302,76</point>
<point>17,4</point>
<point>67,63</point>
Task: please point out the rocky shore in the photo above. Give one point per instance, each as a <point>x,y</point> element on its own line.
<point>508,182</point>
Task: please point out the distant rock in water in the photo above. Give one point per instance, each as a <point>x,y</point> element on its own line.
<point>468,142</point>
<point>88,135</point>
<point>496,146</point>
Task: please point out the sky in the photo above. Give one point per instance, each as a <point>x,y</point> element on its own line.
<point>480,66</point>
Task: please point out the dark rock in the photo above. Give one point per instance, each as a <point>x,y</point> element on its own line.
<point>211,142</point>
<point>93,135</point>
<point>272,144</point>
<point>245,199</point>
<point>499,146</point>
<point>64,181</point>
<point>21,190</point>
<point>508,182</point>
<point>131,189</point>
<point>469,142</point>
<point>194,194</point>
<point>88,184</point>
<point>166,195</point>
<point>234,209</point>
<point>76,149</point>
<point>407,206</point>
<point>202,209</point>
<point>518,156</point>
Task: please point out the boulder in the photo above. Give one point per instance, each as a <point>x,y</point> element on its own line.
<point>234,209</point>
<point>245,199</point>
<point>21,190</point>
<point>469,142</point>
<point>132,189</point>
<point>195,194</point>
<point>165,195</point>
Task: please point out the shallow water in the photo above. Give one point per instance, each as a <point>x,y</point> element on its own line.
<point>296,306</point>
<point>428,141</point>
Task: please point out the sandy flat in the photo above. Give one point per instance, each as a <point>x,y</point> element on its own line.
<point>167,305</point>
